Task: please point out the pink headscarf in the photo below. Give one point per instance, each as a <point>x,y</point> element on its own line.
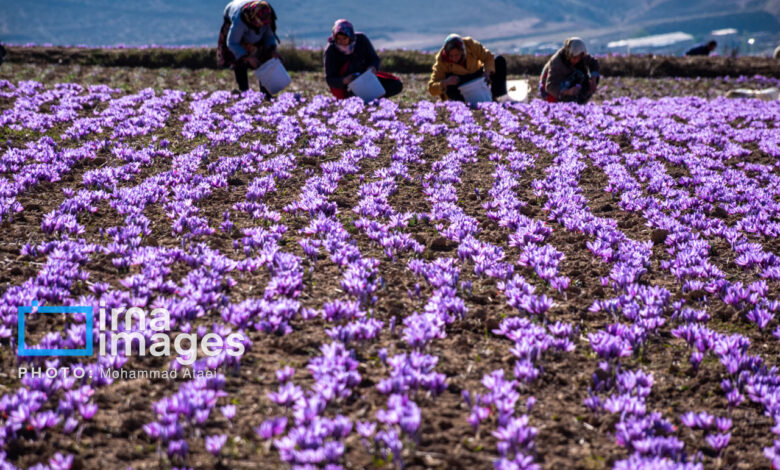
<point>344,27</point>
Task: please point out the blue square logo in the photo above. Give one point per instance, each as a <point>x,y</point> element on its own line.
<point>22,347</point>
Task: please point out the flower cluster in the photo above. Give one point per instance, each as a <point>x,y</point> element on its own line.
<point>684,203</point>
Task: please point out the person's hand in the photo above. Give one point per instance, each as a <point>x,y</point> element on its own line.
<point>593,85</point>
<point>451,80</point>
<point>348,79</point>
<point>570,91</point>
<point>371,69</point>
<point>276,55</point>
<point>251,49</point>
<point>252,61</point>
<point>487,78</point>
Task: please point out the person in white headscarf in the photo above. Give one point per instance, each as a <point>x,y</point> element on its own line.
<point>571,74</point>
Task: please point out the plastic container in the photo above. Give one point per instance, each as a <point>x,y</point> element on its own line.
<point>476,91</point>
<point>517,90</point>
<point>367,87</point>
<point>273,76</point>
<point>767,94</point>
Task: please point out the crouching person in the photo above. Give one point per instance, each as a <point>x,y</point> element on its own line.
<point>348,55</point>
<point>247,38</point>
<point>571,74</point>
<point>462,59</point>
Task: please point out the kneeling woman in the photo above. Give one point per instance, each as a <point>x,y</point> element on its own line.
<point>348,55</point>
<point>461,60</point>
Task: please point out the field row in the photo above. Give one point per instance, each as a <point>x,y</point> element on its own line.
<point>518,286</point>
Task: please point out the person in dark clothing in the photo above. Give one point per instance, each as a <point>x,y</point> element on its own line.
<point>2,54</point>
<point>462,59</point>
<point>702,49</point>
<point>247,38</point>
<point>348,55</point>
<point>571,74</point>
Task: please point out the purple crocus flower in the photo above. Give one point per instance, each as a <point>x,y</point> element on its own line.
<point>214,443</point>
<point>228,411</point>
<point>718,442</point>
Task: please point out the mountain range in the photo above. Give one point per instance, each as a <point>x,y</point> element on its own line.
<point>504,25</point>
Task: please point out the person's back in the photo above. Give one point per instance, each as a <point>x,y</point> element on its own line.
<point>702,49</point>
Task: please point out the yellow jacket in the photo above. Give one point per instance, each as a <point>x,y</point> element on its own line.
<point>477,56</point>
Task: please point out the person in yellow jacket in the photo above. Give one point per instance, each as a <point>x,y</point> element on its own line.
<point>462,59</point>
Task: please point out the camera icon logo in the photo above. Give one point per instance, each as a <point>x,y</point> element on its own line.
<point>22,349</point>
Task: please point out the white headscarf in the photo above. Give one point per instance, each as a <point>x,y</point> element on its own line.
<point>574,47</point>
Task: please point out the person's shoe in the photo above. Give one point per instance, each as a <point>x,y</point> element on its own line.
<point>268,95</point>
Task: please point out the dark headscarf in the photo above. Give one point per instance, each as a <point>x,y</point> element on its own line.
<point>256,14</point>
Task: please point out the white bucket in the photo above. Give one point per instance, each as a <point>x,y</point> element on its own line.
<point>367,87</point>
<point>767,94</point>
<point>517,90</point>
<point>476,91</point>
<point>273,76</point>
